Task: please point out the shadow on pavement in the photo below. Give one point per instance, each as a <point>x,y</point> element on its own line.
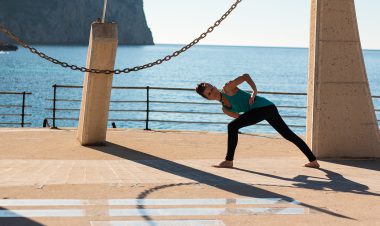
<point>371,164</point>
<point>336,182</point>
<point>203,177</point>
<point>15,221</point>
<point>146,193</point>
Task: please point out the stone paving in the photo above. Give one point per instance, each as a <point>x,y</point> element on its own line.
<point>165,178</point>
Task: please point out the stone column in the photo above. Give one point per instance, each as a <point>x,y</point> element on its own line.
<point>341,120</point>
<point>96,95</point>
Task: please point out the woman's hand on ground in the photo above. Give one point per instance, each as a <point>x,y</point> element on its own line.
<point>225,164</point>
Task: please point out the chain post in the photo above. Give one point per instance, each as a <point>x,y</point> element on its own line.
<point>23,110</point>
<point>54,105</point>
<point>147,109</point>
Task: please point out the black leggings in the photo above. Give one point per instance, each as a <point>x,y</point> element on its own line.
<point>270,114</point>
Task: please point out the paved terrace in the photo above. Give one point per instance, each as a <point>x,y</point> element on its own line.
<point>164,178</point>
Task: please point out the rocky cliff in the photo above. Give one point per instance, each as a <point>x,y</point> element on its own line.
<point>68,21</point>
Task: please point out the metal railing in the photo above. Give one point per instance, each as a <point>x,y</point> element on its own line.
<point>148,108</point>
<point>23,106</point>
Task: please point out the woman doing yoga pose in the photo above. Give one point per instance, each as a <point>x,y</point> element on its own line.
<point>249,109</point>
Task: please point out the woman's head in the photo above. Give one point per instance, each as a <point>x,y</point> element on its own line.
<point>208,91</point>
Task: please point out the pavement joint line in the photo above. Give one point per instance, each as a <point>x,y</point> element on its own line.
<point>206,211</point>
<point>159,223</point>
<point>42,213</point>
<point>135,202</point>
<point>152,212</point>
<point>22,130</point>
<point>111,170</point>
<point>52,172</point>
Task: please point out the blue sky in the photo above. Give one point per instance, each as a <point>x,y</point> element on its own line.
<point>254,23</point>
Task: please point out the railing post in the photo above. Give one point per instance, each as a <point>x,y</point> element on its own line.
<point>23,109</point>
<point>54,100</point>
<point>147,109</point>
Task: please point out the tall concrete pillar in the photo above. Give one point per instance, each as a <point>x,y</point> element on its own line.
<point>96,94</point>
<point>341,120</point>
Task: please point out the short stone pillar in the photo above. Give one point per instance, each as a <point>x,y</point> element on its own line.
<point>341,120</point>
<point>96,94</point>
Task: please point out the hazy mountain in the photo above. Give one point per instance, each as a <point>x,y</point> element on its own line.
<point>68,21</point>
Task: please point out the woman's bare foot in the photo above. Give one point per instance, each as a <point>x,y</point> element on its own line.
<point>313,164</point>
<point>225,164</point>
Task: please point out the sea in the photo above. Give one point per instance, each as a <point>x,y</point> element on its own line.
<point>274,69</point>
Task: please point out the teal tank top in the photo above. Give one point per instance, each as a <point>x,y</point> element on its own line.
<point>240,102</point>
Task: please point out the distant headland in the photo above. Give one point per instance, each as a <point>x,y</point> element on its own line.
<point>68,22</point>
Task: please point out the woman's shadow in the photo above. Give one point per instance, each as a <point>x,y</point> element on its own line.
<point>333,181</point>
<point>199,176</point>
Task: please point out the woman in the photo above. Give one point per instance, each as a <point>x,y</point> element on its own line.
<point>254,109</point>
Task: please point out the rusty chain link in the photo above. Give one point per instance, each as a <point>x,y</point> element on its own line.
<point>12,36</point>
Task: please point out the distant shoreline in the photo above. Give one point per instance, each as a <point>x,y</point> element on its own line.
<point>205,45</point>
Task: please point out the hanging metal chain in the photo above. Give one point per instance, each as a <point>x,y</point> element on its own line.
<point>12,36</point>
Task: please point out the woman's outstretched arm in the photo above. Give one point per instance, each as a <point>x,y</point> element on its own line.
<point>230,87</point>
<point>249,80</point>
